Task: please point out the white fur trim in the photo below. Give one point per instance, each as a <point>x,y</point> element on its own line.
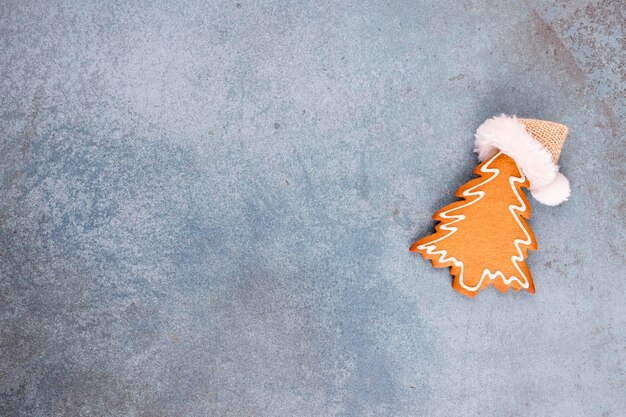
<point>509,135</point>
<point>554,193</point>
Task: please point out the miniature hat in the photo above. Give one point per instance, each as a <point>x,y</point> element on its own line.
<point>535,146</point>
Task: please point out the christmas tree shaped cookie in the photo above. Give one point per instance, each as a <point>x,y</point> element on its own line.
<point>484,238</point>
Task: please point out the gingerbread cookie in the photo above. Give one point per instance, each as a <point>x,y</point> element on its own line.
<point>484,238</point>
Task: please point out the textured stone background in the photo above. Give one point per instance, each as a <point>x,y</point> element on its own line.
<point>206,209</point>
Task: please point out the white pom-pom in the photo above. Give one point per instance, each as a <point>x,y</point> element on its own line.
<point>553,193</point>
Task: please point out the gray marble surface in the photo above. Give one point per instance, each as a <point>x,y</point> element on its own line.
<point>206,208</point>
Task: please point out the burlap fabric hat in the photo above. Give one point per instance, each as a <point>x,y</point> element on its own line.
<point>551,135</point>
<point>535,145</point>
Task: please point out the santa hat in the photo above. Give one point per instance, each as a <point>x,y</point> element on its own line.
<point>535,145</point>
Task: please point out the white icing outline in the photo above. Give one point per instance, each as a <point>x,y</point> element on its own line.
<point>429,247</point>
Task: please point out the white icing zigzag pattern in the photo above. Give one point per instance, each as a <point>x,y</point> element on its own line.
<point>430,247</point>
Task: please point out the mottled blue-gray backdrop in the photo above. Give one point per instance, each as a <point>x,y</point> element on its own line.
<point>205,208</point>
